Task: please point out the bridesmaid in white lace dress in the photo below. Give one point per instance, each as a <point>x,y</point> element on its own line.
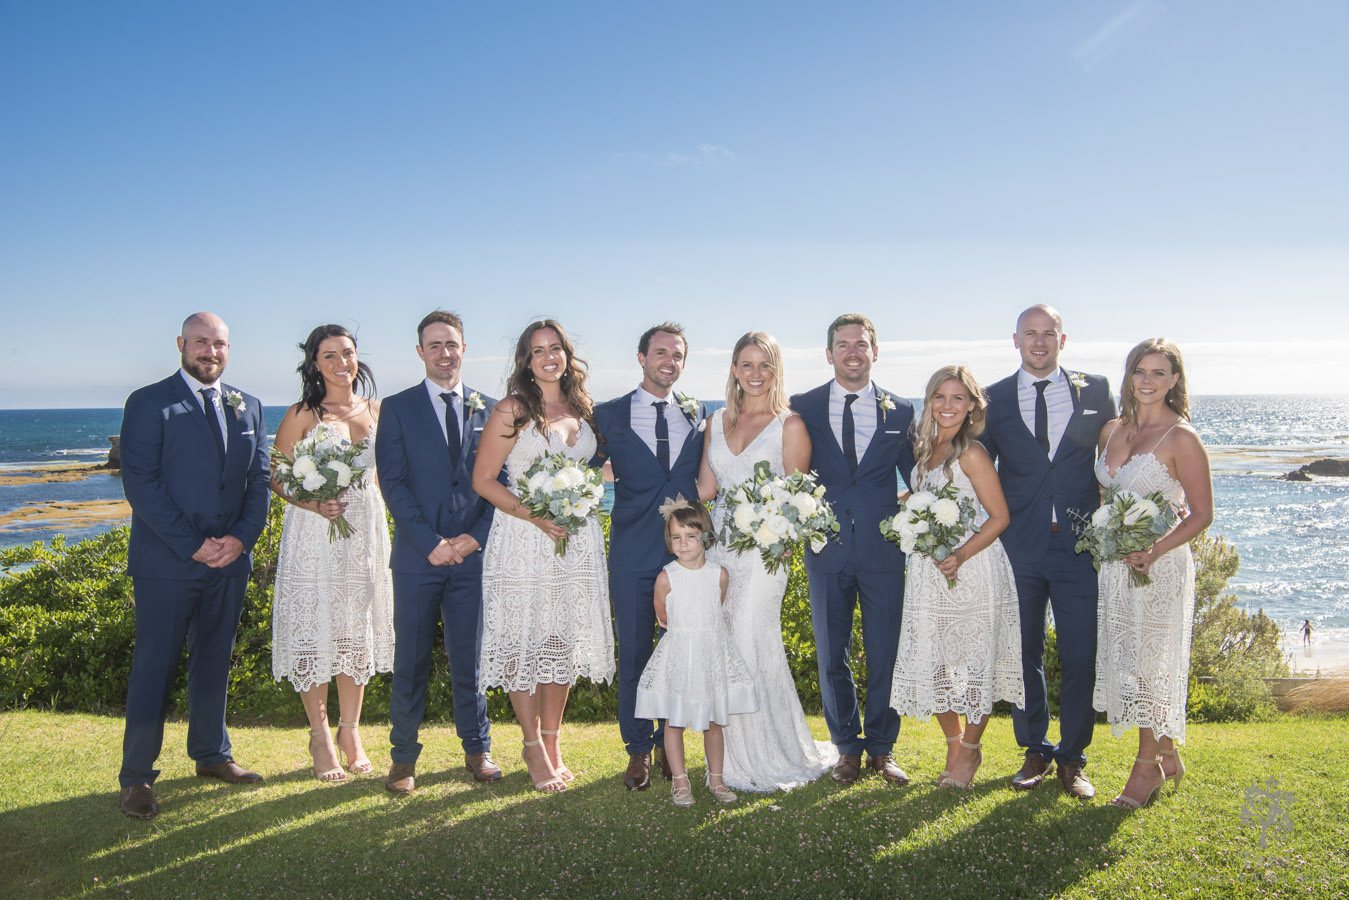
<point>1143,633</point>
<point>773,748</point>
<point>332,612</point>
<point>959,647</point>
<point>545,617</point>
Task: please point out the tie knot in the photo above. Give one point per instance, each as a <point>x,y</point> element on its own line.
<point>209,394</point>
<point>1041,385</point>
<point>848,399</point>
<point>660,405</point>
<point>448,397</point>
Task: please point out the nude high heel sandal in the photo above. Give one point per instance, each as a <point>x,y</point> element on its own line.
<point>361,765</point>
<point>1177,775</point>
<point>562,771</point>
<point>948,781</point>
<point>554,785</point>
<point>335,775</point>
<point>1125,802</point>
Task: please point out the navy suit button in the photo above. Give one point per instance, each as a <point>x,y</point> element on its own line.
<point>454,484</point>
<point>847,512</point>
<point>667,477</point>
<point>217,515</point>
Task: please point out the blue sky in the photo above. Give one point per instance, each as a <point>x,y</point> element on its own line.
<point>1149,168</point>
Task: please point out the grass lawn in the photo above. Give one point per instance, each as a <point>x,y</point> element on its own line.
<point>61,834</point>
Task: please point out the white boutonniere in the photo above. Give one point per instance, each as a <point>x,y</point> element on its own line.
<point>235,401</point>
<point>688,404</point>
<point>1078,382</point>
<point>886,402</point>
<point>475,402</point>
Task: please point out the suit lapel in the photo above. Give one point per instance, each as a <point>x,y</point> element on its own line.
<point>234,428</point>
<point>472,418</point>
<point>694,434</point>
<point>196,409</point>
<point>433,424</point>
<point>1077,412</point>
<point>879,434</point>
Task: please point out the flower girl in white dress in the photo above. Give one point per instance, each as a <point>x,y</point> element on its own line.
<point>695,679</point>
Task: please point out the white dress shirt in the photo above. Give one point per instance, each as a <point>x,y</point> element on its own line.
<point>863,415</point>
<point>457,398</point>
<point>196,387</point>
<point>1058,403</point>
<point>643,418</point>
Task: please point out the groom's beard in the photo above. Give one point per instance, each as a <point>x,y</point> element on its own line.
<point>204,370</point>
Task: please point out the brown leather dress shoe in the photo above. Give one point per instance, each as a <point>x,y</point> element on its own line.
<point>482,767</point>
<point>658,757</point>
<point>1032,772</point>
<point>848,768</point>
<point>638,775</point>
<point>1074,782</point>
<point>229,771</point>
<point>138,802</point>
<point>401,778</point>
<point>884,764</point>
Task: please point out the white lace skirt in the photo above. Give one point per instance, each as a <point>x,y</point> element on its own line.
<point>545,617</point>
<point>1143,646</point>
<point>332,609</point>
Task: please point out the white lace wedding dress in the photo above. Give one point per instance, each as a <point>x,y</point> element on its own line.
<point>959,647</point>
<point>1143,633</point>
<point>771,749</point>
<point>332,609</point>
<point>545,617</point>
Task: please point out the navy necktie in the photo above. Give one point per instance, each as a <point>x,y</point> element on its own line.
<point>452,436</point>
<point>213,421</point>
<point>1041,416</point>
<point>662,435</point>
<point>849,434</point>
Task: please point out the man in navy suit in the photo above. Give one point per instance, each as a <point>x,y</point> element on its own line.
<point>859,438</point>
<point>194,469</point>
<point>424,451</point>
<point>652,442</point>
<point>1042,428</point>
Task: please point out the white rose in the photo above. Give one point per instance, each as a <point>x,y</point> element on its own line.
<point>777,524</point>
<point>744,517</point>
<point>920,526</point>
<point>765,537</point>
<point>899,521</point>
<point>819,492</point>
<point>365,459</point>
<point>584,507</point>
<point>907,544</point>
<point>906,529</point>
<point>343,472</point>
<point>558,483</point>
<point>920,500</point>
<point>805,504</point>
<point>1101,518</point>
<point>313,481</point>
<point>536,482</point>
<point>575,477</point>
<point>946,511</point>
<point>303,466</point>
<point>1142,509</point>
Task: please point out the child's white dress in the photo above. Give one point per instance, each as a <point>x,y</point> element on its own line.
<point>695,675</point>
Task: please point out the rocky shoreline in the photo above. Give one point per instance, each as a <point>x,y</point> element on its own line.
<point>1326,467</point>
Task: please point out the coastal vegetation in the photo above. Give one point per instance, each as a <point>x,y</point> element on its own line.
<point>67,628</point>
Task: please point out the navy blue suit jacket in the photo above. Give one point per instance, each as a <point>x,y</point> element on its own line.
<point>860,500</point>
<point>1031,481</point>
<point>179,494</point>
<point>641,485</point>
<point>430,495</point>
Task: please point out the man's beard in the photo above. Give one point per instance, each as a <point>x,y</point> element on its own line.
<point>197,369</point>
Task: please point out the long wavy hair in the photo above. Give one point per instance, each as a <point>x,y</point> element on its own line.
<point>1178,398</point>
<point>777,392</point>
<point>529,398</point>
<point>312,386</point>
<point>924,427</point>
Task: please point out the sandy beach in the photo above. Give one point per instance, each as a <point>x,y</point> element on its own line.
<point>50,473</point>
<point>1327,655</point>
<point>64,514</point>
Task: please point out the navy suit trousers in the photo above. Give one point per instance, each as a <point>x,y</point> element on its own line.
<point>453,597</point>
<point>203,614</point>
<point>633,597</point>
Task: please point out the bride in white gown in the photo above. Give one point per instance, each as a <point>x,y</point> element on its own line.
<point>773,748</point>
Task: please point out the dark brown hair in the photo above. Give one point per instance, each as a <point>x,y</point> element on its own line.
<point>312,386</point>
<point>443,316</point>
<point>529,399</point>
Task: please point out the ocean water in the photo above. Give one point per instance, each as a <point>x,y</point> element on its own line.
<point>1292,536</point>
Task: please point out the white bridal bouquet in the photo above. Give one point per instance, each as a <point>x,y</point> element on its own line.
<point>1124,523</point>
<point>324,465</point>
<point>932,524</point>
<point>774,514</point>
<point>562,490</point>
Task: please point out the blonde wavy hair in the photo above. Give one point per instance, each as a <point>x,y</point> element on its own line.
<point>1178,398</point>
<point>924,428</point>
<point>777,392</point>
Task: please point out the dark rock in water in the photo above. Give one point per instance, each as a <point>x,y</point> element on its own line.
<point>114,452</point>
<point>1334,467</point>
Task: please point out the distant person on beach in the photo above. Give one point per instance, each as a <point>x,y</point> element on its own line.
<point>651,441</point>
<point>1306,632</point>
<point>194,468</point>
<point>1042,429</point>
<point>332,612</point>
<point>1143,649</point>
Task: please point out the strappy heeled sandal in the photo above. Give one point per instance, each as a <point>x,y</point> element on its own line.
<point>948,781</point>
<point>335,775</point>
<point>944,772</point>
<point>360,765</point>
<point>721,792</point>
<point>554,785</point>
<point>1177,775</point>
<point>681,796</point>
<point>562,771</point>
<point>1125,802</point>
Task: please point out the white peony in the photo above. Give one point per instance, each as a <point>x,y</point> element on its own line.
<point>907,544</point>
<point>537,481</point>
<point>765,537</point>
<point>920,526</point>
<point>559,483</point>
<point>584,507</point>
<point>744,517</point>
<point>1101,518</point>
<point>899,520</point>
<point>313,481</point>
<point>304,466</point>
<point>1142,509</point>
<point>920,500</point>
<point>805,504</point>
<point>946,511</point>
<point>777,524</point>
<point>343,472</point>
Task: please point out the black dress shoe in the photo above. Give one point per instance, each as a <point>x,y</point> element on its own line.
<point>658,757</point>
<point>638,775</point>
<point>138,802</point>
<point>1032,772</point>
